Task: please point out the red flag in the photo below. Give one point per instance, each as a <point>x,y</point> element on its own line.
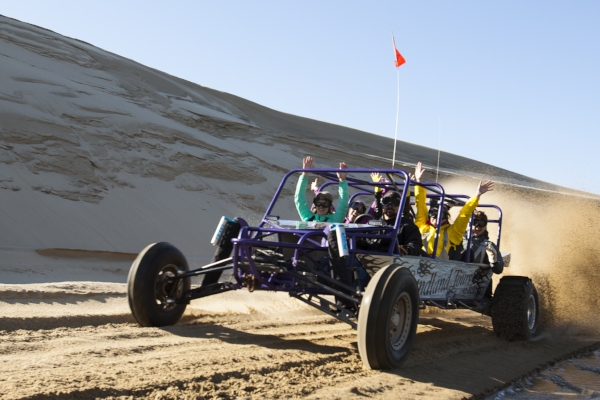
<point>399,59</point>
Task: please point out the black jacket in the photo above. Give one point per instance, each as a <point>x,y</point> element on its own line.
<point>409,237</point>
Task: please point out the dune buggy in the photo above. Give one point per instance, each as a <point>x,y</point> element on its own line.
<point>283,253</point>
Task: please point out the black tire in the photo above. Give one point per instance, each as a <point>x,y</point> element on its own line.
<point>387,319</point>
<point>515,308</point>
<point>148,289</point>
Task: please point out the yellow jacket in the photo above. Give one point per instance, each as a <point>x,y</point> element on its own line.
<point>450,235</point>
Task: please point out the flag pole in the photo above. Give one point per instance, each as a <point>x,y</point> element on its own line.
<point>398,61</point>
<point>397,104</point>
<point>397,112</point>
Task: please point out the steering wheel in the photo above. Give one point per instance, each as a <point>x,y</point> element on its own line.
<point>363,218</point>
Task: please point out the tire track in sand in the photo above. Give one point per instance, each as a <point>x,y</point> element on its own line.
<point>252,355</point>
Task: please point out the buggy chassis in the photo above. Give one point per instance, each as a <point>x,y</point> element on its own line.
<point>287,255</point>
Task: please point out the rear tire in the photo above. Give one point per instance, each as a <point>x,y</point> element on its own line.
<point>515,309</point>
<point>150,293</point>
<point>388,316</point>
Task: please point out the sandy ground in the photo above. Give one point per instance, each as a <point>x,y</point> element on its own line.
<point>77,339</point>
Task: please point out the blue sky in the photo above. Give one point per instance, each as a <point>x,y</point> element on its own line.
<point>511,83</point>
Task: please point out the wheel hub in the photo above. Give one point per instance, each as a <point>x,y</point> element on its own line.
<point>400,321</point>
<point>166,289</point>
<point>531,312</point>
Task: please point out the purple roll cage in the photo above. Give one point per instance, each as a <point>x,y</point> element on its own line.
<point>302,241</point>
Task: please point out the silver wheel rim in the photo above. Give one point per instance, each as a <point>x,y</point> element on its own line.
<point>531,313</point>
<point>400,321</point>
<point>163,286</point>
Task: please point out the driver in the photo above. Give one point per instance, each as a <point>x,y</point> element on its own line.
<point>323,201</point>
<point>409,238</point>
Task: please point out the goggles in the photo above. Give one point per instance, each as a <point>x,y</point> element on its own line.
<point>433,213</point>
<point>390,201</point>
<point>357,206</point>
<point>322,203</point>
<point>479,223</point>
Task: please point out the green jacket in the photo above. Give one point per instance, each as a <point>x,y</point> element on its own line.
<point>305,210</point>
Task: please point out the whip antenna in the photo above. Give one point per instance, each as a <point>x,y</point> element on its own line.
<point>397,111</point>
<point>439,149</point>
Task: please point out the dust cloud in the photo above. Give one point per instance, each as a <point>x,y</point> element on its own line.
<point>553,239</point>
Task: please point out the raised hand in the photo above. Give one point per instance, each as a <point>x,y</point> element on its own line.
<point>419,171</point>
<point>307,163</point>
<point>375,177</point>
<point>314,186</point>
<point>484,187</point>
<point>342,175</point>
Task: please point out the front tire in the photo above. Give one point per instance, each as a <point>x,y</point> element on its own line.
<point>515,309</point>
<point>388,316</point>
<point>150,290</point>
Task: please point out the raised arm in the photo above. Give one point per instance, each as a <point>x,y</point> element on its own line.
<point>421,199</point>
<point>342,208</point>
<point>460,225</point>
<point>314,186</point>
<point>342,174</point>
<point>307,163</point>
<point>376,210</point>
<point>300,196</point>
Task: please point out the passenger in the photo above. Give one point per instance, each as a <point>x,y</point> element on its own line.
<point>483,251</point>
<point>323,201</point>
<point>322,212</point>
<point>375,210</point>
<point>450,235</point>
<point>356,209</point>
<point>314,186</point>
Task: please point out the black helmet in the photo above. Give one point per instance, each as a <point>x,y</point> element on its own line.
<point>434,210</point>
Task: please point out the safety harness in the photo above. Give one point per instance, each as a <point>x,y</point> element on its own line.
<point>479,252</point>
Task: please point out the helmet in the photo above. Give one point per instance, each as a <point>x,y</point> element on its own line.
<point>359,206</point>
<point>324,196</point>
<point>434,211</point>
